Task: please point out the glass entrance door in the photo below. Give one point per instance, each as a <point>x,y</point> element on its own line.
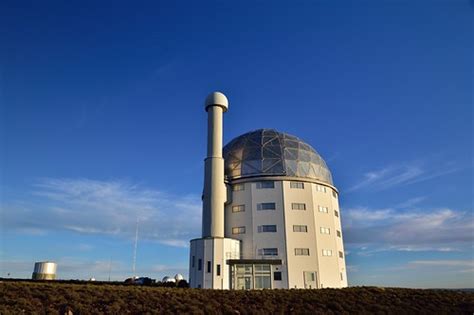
<point>244,282</point>
<point>251,276</point>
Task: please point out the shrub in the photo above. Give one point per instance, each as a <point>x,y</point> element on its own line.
<point>106,298</point>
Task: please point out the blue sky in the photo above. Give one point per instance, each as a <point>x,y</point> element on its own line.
<point>102,120</point>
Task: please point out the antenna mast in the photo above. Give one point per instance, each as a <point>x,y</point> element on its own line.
<point>135,250</point>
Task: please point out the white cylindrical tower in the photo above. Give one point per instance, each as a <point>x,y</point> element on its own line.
<point>208,255</point>
<point>214,195</point>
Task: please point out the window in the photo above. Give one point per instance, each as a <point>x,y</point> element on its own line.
<point>300,228</point>
<point>238,230</point>
<point>263,277</point>
<point>334,194</point>
<point>266,206</point>
<point>199,264</point>
<point>327,252</point>
<point>209,266</point>
<point>267,228</point>
<point>297,185</point>
<point>336,213</point>
<point>321,188</point>
<point>277,276</point>
<point>341,254</point>
<point>238,208</point>
<point>265,185</point>
<point>301,251</point>
<point>325,230</point>
<point>238,187</point>
<point>218,270</point>
<point>192,261</point>
<point>342,278</point>
<point>323,209</point>
<point>298,206</point>
<point>268,251</point>
<point>338,233</point>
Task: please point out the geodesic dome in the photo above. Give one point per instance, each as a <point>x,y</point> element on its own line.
<point>267,152</point>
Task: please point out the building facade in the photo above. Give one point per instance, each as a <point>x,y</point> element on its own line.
<point>281,219</point>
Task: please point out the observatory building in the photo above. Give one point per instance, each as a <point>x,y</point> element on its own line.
<point>270,213</point>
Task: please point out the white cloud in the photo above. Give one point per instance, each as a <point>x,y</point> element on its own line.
<point>403,174</point>
<point>366,215</point>
<point>443,263</point>
<point>107,207</point>
<point>407,230</point>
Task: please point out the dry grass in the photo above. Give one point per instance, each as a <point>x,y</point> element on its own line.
<point>95,298</point>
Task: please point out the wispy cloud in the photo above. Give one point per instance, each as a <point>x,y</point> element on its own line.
<point>410,202</point>
<point>407,230</point>
<point>443,263</point>
<point>107,207</point>
<point>403,174</point>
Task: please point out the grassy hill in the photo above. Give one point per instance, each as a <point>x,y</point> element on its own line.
<point>28,297</point>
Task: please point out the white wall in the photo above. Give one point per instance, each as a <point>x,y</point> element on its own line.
<point>217,251</point>
<point>297,265</point>
<point>328,269</point>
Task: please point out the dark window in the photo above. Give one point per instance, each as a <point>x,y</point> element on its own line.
<point>277,276</point>
<point>266,206</point>
<point>341,255</point>
<point>338,233</point>
<point>192,261</point>
<point>208,266</point>
<point>199,264</point>
<point>265,185</point>
<point>267,228</point>
<point>218,270</point>
<point>268,251</point>
<point>336,213</point>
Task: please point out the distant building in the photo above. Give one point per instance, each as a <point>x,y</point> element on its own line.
<point>168,279</point>
<point>271,216</point>
<point>140,280</point>
<point>44,270</point>
<point>178,277</point>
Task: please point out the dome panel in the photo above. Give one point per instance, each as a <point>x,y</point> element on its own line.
<point>267,152</point>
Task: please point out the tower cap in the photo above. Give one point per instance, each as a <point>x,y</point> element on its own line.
<point>217,99</point>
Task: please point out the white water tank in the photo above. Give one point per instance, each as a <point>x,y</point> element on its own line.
<point>45,270</point>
